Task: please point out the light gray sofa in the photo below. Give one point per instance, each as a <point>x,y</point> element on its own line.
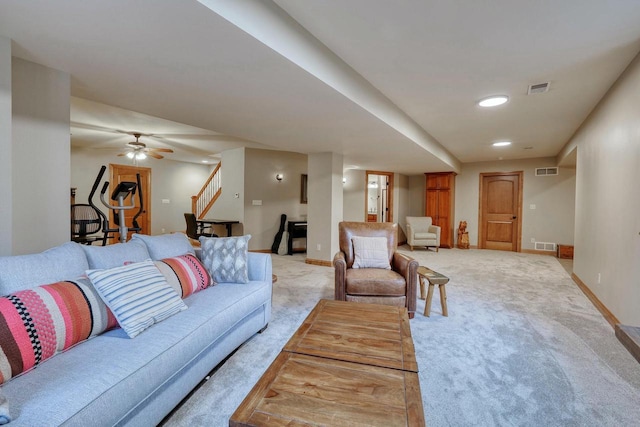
<point>114,380</point>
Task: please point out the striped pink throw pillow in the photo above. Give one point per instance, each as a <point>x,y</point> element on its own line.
<point>38,323</point>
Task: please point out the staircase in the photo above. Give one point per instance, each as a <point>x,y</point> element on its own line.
<point>211,190</point>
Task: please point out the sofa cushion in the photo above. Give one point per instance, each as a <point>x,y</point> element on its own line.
<point>165,245</point>
<point>115,255</point>
<point>226,258</point>
<point>104,380</point>
<point>370,252</point>
<point>38,323</point>
<point>424,236</point>
<point>138,295</point>
<point>20,272</point>
<point>185,274</point>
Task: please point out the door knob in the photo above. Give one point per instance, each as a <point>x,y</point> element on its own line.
<point>515,217</point>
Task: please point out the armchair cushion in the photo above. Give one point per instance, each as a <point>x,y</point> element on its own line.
<point>375,281</point>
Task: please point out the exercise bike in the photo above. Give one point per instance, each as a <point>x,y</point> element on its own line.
<point>124,190</point>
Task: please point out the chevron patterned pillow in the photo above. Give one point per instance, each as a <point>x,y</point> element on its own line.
<point>226,258</point>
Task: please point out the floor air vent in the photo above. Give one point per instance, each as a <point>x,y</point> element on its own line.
<point>546,171</point>
<point>545,246</point>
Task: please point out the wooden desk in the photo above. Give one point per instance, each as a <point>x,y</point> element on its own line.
<point>348,363</point>
<point>204,223</point>
<point>297,230</point>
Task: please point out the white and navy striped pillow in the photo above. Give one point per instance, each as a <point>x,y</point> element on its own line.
<point>137,294</point>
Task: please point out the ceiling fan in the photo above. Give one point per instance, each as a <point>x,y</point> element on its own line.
<point>138,150</point>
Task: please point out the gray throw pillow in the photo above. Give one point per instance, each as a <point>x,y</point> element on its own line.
<point>165,245</point>
<point>226,258</point>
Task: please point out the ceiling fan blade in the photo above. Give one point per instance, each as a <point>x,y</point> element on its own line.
<point>155,155</point>
<point>122,154</point>
<point>162,150</point>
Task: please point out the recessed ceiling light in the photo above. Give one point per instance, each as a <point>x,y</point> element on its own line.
<point>205,161</point>
<point>501,143</point>
<point>493,101</point>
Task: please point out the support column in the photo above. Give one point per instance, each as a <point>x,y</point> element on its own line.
<point>6,186</point>
<point>325,207</point>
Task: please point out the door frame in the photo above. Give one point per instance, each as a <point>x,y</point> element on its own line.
<point>519,208</point>
<point>389,176</point>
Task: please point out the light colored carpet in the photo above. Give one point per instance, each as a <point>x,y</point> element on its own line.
<point>522,346</point>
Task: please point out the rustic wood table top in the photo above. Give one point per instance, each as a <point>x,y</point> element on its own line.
<point>340,369</point>
<point>354,332</point>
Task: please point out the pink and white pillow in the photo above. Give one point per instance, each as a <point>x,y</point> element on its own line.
<point>185,274</point>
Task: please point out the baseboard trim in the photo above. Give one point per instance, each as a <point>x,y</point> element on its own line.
<point>262,251</point>
<point>609,317</point>
<point>536,252</point>
<point>629,336</point>
<point>320,262</point>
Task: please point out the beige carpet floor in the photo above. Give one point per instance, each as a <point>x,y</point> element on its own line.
<point>522,346</point>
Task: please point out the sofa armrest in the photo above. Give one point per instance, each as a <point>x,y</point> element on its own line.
<point>409,234</point>
<point>260,268</point>
<point>435,229</point>
<point>340,266</point>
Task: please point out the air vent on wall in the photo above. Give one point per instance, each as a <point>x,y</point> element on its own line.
<point>546,171</point>
<point>538,88</point>
<point>545,246</point>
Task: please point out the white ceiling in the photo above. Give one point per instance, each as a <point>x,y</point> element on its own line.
<point>405,75</point>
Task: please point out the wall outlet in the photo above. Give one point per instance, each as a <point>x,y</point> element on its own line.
<point>166,201</point>
<point>164,231</point>
<point>598,278</point>
<point>256,202</point>
<point>318,247</point>
<point>532,206</point>
<point>533,240</point>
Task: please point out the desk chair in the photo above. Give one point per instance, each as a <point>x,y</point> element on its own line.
<point>192,227</point>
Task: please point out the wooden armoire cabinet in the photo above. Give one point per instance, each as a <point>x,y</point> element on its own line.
<point>440,204</point>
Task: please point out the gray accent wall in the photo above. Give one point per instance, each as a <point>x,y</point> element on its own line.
<point>262,221</point>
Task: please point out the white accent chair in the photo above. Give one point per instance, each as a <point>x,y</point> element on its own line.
<point>422,232</point>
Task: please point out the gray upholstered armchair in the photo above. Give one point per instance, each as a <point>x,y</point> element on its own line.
<point>421,232</point>
<point>394,286</point>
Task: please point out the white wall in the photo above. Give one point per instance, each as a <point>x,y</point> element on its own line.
<point>554,198</point>
<point>354,191</point>
<point>6,186</point>
<point>232,181</point>
<point>325,205</point>
<point>278,197</point>
<point>401,204</point>
<point>176,181</point>
<point>607,224</point>
<point>40,142</point>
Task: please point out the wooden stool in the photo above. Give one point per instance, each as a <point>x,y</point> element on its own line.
<point>434,278</point>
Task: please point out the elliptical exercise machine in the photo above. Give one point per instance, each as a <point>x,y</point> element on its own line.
<point>124,190</point>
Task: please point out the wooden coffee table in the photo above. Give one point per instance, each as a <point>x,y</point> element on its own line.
<point>348,363</point>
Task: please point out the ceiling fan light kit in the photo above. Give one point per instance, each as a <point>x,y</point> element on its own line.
<point>139,150</point>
